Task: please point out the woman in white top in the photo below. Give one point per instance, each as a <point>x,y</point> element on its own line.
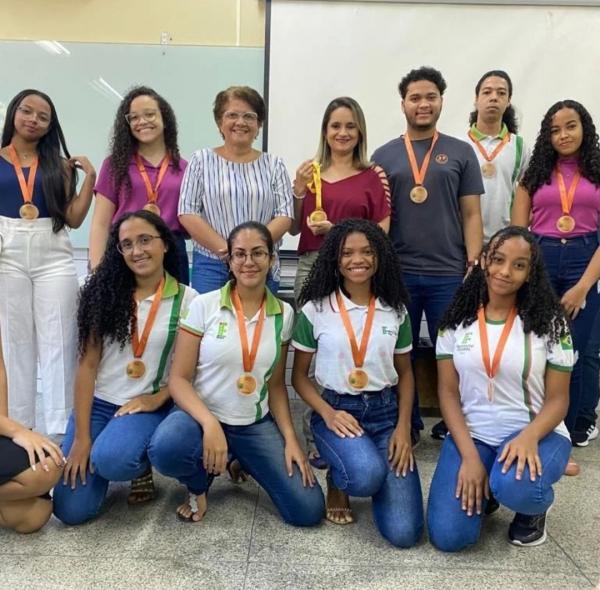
<point>128,314</point>
<point>228,381</point>
<point>504,362</point>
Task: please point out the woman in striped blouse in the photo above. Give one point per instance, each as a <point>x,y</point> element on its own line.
<point>232,184</point>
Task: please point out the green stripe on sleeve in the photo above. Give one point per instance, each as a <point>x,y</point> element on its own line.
<point>265,387</point>
<point>560,368</point>
<point>303,332</point>
<point>173,321</point>
<point>404,334</point>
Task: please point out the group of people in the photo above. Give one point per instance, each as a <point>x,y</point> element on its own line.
<point>189,380</point>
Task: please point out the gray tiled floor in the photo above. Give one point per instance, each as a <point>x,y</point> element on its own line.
<point>242,544</point>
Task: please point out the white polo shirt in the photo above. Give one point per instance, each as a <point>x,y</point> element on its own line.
<point>510,164</point>
<point>519,384</point>
<point>320,329</point>
<point>112,383</point>
<point>212,316</point>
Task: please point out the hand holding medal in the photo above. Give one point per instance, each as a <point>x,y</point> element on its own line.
<point>318,215</point>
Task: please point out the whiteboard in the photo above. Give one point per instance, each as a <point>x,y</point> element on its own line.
<point>319,50</point>
<point>86,81</point>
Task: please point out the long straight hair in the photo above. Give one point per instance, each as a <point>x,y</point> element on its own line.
<point>59,186</point>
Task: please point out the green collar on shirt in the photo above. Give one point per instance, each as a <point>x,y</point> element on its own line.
<point>171,287</point>
<point>479,136</point>
<point>272,307</point>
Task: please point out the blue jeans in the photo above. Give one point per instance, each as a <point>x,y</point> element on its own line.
<point>119,453</point>
<point>432,295</point>
<point>360,467</point>
<point>565,263</point>
<point>450,529</point>
<point>210,274</point>
<point>176,451</point>
<point>182,258</point>
<point>591,374</point>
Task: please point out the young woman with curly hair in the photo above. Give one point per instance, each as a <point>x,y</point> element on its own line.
<point>128,314</point>
<point>38,280</point>
<point>504,359</point>
<point>337,184</point>
<point>354,321</point>
<point>228,383</point>
<point>559,198</point>
<point>143,171</point>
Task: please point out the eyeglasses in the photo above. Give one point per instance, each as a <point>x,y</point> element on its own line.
<point>249,117</point>
<point>240,257</point>
<point>144,242</point>
<point>43,118</point>
<point>148,116</point>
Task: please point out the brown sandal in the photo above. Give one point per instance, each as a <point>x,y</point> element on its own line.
<point>142,489</point>
<point>338,504</point>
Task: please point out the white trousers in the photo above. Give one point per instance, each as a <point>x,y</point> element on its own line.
<point>38,320</point>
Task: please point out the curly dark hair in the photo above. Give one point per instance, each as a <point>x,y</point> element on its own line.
<point>324,276</point>
<point>123,145</point>
<point>509,118</point>
<point>544,156</point>
<point>537,304</point>
<point>51,162</point>
<point>106,302</point>
<point>422,73</point>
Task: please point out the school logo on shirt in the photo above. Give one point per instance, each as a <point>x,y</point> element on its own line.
<point>388,331</point>
<point>566,342</point>
<point>441,159</point>
<point>466,344</point>
<point>222,330</point>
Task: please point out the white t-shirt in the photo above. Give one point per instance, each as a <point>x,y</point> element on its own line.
<point>518,393</point>
<point>499,194</point>
<point>320,329</point>
<point>212,316</point>
<point>112,383</point>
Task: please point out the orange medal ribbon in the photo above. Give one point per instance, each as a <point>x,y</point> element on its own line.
<point>419,173</point>
<point>152,191</point>
<point>567,198</point>
<point>357,378</point>
<point>139,344</point>
<point>492,368</point>
<point>26,187</point>
<point>489,157</point>
<point>246,384</point>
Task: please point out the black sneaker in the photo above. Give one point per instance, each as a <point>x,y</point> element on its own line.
<point>528,531</point>
<point>415,437</point>
<point>491,506</point>
<point>439,430</point>
<point>584,432</point>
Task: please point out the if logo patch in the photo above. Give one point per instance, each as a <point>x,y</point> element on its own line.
<point>222,330</point>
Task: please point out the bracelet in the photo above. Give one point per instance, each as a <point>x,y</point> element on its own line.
<point>299,197</point>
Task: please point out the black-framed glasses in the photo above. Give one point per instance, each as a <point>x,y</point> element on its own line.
<point>240,256</point>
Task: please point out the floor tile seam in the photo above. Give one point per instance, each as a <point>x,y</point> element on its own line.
<point>411,566</point>
<point>251,538</point>
<point>579,569</point>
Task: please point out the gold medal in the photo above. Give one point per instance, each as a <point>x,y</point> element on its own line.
<point>358,379</point>
<point>246,384</point>
<point>317,216</point>
<point>565,224</point>
<point>153,208</point>
<point>136,369</point>
<point>29,211</point>
<point>488,170</point>
<point>418,194</point>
